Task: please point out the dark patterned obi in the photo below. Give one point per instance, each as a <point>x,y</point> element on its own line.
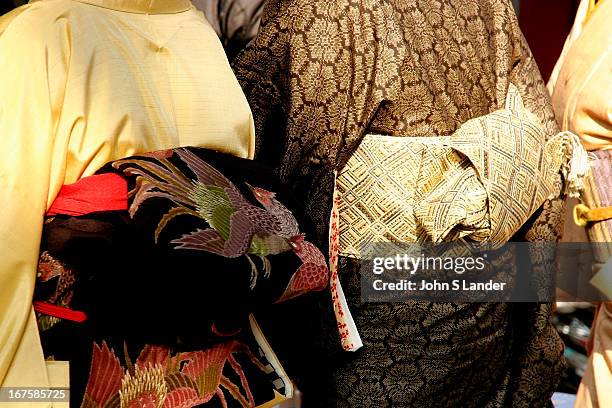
<point>150,273</point>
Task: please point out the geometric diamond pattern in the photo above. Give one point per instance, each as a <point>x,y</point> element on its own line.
<point>481,183</point>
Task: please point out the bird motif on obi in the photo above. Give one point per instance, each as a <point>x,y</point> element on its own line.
<point>237,226</point>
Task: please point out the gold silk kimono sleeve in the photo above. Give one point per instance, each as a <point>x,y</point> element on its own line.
<point>582,88</point>
<point>81,84</point>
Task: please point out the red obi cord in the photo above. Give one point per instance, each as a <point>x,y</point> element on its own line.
<point>60,312</point>
<point>98,193</point>
<point>103,192</point>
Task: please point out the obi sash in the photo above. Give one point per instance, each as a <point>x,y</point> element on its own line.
<point>480,185</point>
<point>163,259</point>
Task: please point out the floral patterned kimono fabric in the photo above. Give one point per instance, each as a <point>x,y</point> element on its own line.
<point>319,77</point>
<point>149,298</point>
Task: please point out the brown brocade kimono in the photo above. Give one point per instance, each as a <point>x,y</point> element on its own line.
<point>320,76</point>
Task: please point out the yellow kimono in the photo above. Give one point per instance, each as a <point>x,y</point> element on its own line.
<point>581,89</point>
<point>84,82</point>
<point>581,83</point>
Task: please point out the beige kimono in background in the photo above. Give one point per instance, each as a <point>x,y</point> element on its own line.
<point>83,83</point>
<point>581,89</point>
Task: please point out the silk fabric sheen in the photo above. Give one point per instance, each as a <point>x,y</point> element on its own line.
<point>84,83</point>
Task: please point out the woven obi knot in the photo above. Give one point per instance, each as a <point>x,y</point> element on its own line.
<point>481,184</point>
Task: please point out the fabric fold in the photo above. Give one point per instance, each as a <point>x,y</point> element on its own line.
<point>482,183</point>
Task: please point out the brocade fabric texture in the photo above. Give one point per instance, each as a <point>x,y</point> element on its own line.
<point>169,285</point>
<point>319,77</point>
<point>471,185</point>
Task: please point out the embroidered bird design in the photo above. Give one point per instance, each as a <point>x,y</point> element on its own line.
<point>289,227</point>
<point>312,275</point>
<point>237,226</point>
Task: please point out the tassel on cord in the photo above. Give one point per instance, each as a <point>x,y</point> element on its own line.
<point>576,163</point>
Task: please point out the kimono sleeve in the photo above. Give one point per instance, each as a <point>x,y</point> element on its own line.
<point>34,59</point>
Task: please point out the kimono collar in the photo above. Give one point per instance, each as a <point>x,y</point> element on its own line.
<point>142,6</point>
